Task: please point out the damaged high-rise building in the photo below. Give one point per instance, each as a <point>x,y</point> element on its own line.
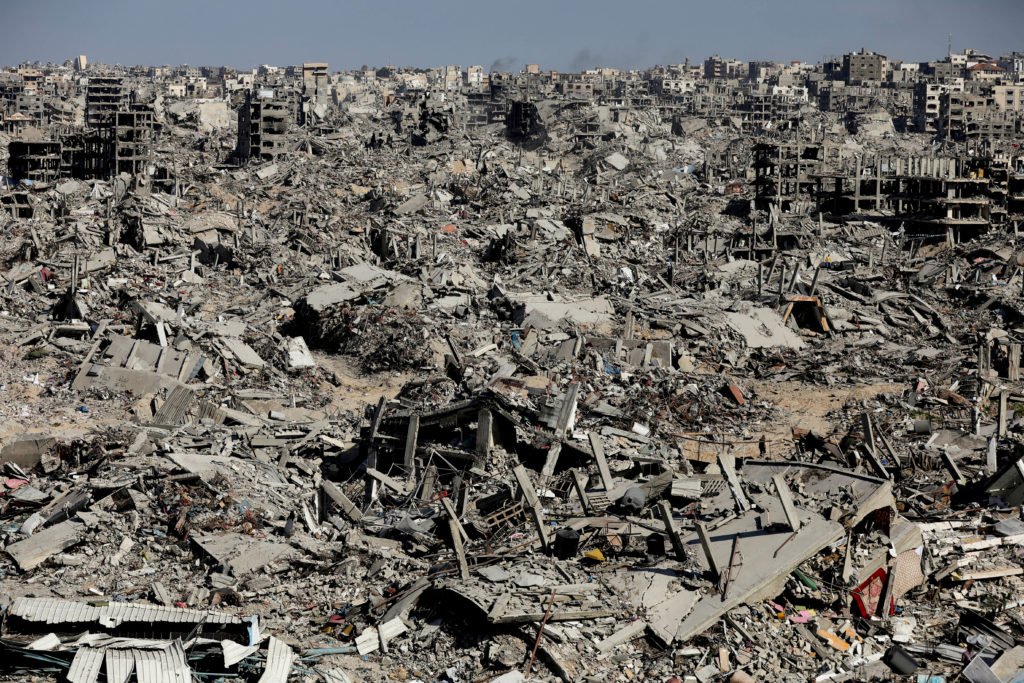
<point>116,138</point>
<point>264,120</point>
<point>36,162</point>
<point>104,95</point>
<point>316,92</point>
<point>132,135</point>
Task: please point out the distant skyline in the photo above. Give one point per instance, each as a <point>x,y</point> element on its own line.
<point>568,35</point>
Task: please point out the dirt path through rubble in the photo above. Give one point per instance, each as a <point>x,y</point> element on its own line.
<point>806,405</point>
<point>355,389</point>
<point>801,405</point>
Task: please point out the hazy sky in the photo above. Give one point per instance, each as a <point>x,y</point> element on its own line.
<point>560,34</point>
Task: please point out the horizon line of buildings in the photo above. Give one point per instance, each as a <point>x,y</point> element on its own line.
<point>102,118</point>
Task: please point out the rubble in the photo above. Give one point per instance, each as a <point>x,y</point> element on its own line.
<point>577,395</point>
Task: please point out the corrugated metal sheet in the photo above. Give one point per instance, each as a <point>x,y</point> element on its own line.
<point>48,642</point>
<point>52,610</point>
<point>279,662</point>
<point>162,666</point>
<point>173,411</point>
<point>56,611</point>
<point>390,630</point>
<point>152,661</point>
<point>368,641</point>
<point>102,640</point>
<point>85,668</point>
<point>120,664</point>
<point>234,653</point>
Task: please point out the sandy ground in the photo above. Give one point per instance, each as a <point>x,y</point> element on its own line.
<point>799,405</point>
<point>355,390</point>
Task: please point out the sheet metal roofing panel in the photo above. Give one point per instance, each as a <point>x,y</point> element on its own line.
<point>85,668</point>
<point>46,609</point>
<point>120,664</point>
<point>162,666</point>
<point>52,611</point>
<point>368,641</point>
<point>279,662</point>
<point>390,630</point>
<point>56,611</point>
<point>111,615</point>
<point>48,642</point>
<point>81,611</point>
<point>234,653</point>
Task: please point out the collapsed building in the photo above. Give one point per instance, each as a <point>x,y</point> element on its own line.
<point>553,389</point>
<point>116,139</point>
<point>263,125</point>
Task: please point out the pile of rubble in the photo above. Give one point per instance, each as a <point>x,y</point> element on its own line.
<point>463,409</point>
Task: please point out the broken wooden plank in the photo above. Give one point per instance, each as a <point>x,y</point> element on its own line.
<point>578,615</point>
<point>579,481</point>
<point>83,368</point>
<point>625,634</point>
<point>484,434</point>
<point>551,461</point>
<point>982,574</point>
<point>705,544</point>
<point>389,482</point>
<point>446,503</point>
<point>567,410</point>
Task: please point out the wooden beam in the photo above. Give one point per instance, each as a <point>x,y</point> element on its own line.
<point>429,482</point>
<point>531,617</point>
<point>1004,396</point>
<point>567,410</point>
<point>875,463</point>
<point>83,368</point>
<point>393,484</point>
<point>889,449</point>
<point>869,432</point>
<point>579,481</point>
<point>952,468</point>
<point>370,493</point>
<point>453,516</point>
<point>551,461</point>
